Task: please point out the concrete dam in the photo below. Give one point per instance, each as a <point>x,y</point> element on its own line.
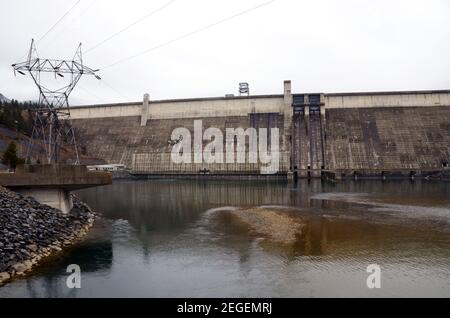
<point>346,134</point>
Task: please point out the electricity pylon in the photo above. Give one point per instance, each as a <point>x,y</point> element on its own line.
<point>51,118</point>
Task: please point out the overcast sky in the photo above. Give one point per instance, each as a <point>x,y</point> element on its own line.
<point>321,45</point>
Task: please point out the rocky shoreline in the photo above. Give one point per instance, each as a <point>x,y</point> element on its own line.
<point>31,232</point>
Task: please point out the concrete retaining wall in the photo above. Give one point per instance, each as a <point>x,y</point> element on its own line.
<point>388,138</point>
<point>56,198</point>
<point>123,140</point>
<point>241,106</point>
<point>160,163</point>
<point>388,99</point>
<point>188,108</point>
<point>360,131</point>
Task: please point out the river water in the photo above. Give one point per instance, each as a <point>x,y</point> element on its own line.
<point>171,238</point>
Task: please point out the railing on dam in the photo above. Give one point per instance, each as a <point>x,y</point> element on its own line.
<point>162,163</point>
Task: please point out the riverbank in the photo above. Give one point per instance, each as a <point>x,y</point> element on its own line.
<point>32,232</point>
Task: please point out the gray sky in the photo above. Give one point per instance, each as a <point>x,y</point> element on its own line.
<point>321,45</point>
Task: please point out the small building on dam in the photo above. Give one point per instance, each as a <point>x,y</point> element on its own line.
<point>346,134</point>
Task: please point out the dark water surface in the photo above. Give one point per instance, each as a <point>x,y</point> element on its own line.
<point>170,239</point>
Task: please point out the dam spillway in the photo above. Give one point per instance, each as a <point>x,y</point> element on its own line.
<point>347,133</point>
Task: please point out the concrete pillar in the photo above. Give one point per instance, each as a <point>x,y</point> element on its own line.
<point>145,110</point>
<point>322,104</point>
<point>308,139</point>
<point>133,162</point>
<point>56,198</point>
<point>323,127</point>
<point>287,133</point>
<point>290,176</point>
<point>287,94</point>
<point>307,119</point>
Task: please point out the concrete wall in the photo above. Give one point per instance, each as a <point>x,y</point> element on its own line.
<point>241,106</point>
<point>56,198</point>
<point>106,111</point>
<point>188,108</point>
<point>161,163</point>
<point>122,140</point>
<point>388,99</point>
<point>392,138</point>
<point>381,130</point>
<point>51,184</point>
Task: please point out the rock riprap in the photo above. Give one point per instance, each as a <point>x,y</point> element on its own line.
<point>31,231</point>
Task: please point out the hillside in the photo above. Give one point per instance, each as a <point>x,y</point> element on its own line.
<point>16,125</point>
<point>3,98</point>
<point>37,151</point>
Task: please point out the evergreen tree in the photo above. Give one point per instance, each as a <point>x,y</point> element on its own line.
<point>16,116</point>
<point>10,157</point>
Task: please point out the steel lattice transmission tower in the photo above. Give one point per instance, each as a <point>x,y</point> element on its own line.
<point>51,118</point>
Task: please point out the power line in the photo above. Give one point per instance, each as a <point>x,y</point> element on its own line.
<point>57,22</point>
<point>91,93</point>
<point>114,90</point>
<point>54,25</point>
<point>58,35</point>
<point>100,98</point>
<point>130,25</point>
<point>93,2</point>
<point>189,34</point>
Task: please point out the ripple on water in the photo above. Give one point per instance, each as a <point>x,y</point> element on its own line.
<point>220,209</point>
<point>410,211</point>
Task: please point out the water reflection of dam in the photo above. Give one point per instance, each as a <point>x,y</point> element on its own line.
<point>161,204</point>
<point>157,208</point>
